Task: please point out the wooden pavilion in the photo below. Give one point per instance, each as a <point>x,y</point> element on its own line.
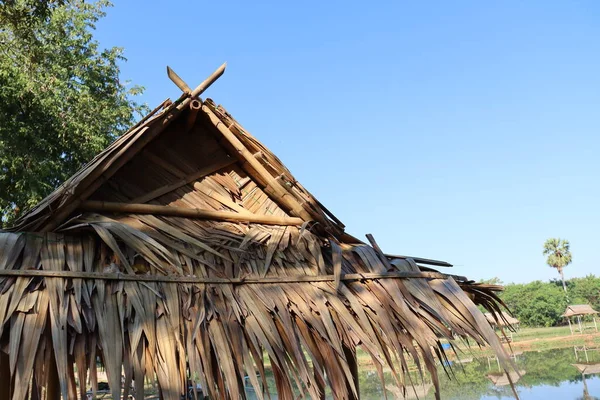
<point>187,254</point>
<point>502,319</point>
<point>578,311</point>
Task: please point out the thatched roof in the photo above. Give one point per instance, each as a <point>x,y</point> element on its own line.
<point>579,309</point>
<point>501,319</point>
<point>588,368</point>
<point>416,392</point>
<point>505,379</point>
<point>186,251</point>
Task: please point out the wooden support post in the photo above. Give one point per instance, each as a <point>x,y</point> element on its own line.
<point>320,384</point>
<point>284,392</point>
<point>570,327</point>
<point>353,365</point>
<point>52,382</point>
<point>35,390</point>
<point>5,392</point>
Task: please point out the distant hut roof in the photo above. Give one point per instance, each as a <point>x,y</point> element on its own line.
<point>418,391</point>
<point>579,309</point>
<point>186,249</point>
<point>587,369</point>
<point>501,320</point>
<point>501,379</point>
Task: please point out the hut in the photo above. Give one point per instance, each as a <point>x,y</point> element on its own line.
<point>502,319</point>
<point>504,378</point>
<point>587,369</point>
<point>187,255</point>
<point>578,311</point>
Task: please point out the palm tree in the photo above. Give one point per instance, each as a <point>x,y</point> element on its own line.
<point>559,256</point>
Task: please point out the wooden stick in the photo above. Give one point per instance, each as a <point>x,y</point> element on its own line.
<point>100,206</point>
<point>227,281</point>
<point>420,260</point>
<point>178,81</point>
<point>209,81</point>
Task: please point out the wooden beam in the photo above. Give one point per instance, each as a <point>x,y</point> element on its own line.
<point>226,281</point>
<point>101,206</point>
<point>210,169</point>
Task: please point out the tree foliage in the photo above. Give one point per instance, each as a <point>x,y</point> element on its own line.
<point>559,255</point>
<point>61,100</point>
<point>542,303</point>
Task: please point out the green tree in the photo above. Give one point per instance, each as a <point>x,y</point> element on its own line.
<point>61,100</point>
<point>585,290</point>
<point>559,256</point>
<point>536,303</point>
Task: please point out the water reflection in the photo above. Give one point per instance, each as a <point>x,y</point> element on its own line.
<point>569,373</point>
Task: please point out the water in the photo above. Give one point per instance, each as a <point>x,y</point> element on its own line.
<point>546,375</point>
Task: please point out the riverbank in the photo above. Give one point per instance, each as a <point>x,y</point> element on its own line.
<point>525,339</point>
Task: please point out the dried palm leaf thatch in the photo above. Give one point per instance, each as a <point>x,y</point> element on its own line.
<point>214,334</point>
<point>186,253</point>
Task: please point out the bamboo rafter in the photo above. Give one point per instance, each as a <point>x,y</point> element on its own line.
<point>100,206</point>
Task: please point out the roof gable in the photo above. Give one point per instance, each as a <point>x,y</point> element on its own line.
<point>187,154</point>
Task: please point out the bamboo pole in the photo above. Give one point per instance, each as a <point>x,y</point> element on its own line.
<point>570,327</point>
<point>272,187</point>
<point>420,260</point>
<point>228,281</point>
<point>209,81</point>
<point>100,206</point>
<point>195,106</point>
<point>145,135</point>
<point>178,81</point>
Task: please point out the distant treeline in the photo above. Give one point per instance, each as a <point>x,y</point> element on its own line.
<point>542,303</point>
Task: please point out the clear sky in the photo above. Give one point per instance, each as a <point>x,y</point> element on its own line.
<point>466,131</point>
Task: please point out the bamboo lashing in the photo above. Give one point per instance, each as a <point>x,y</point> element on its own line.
<point>235,281</point>
<point>92,182</point>
<point>99,206</point>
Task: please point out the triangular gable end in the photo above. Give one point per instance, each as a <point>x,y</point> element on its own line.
<point>185,156</point>
<point>191,165</point>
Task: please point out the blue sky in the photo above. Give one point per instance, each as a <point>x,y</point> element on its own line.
<point>465,131</point>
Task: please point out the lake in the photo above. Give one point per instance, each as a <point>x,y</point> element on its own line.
<point>571,373</point>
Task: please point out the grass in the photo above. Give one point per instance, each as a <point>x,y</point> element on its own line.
<point>541,333</point>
